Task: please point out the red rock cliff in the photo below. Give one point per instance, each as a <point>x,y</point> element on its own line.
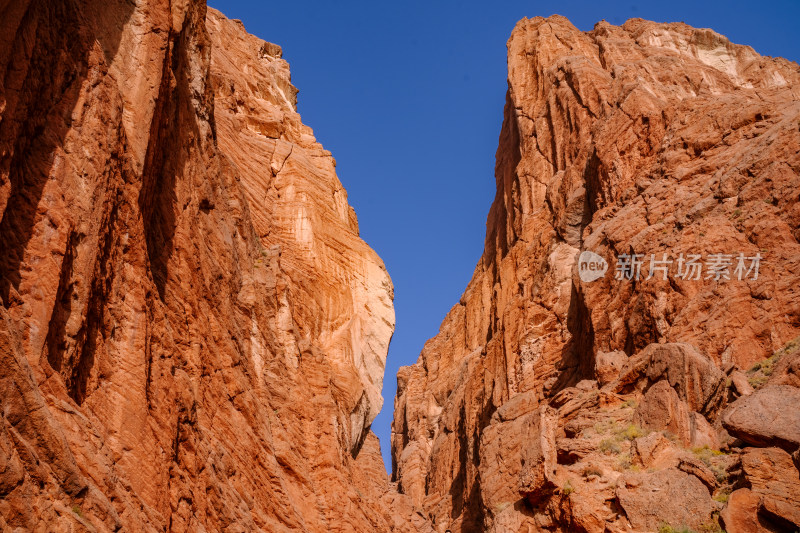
<point>543,400</point>
<point>192,334</point>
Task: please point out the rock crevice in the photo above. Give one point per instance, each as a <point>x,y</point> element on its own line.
<point>647,140</point>
<point>193,334</point>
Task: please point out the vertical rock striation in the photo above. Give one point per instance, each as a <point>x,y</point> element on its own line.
<point>192,334</point>
<point>640,139</point>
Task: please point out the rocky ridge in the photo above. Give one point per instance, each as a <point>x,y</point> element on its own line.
<point>550,402</point>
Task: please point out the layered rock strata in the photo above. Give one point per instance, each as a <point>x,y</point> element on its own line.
<point>192,334</point>
<point>558,398</point>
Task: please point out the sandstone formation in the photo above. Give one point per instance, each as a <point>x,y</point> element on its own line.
<point>766,417</point>
<point>192,334</point>
<point>646,140</point>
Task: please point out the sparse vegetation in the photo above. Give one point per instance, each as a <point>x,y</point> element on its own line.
<point>709,527</point>
<point>590,471</point>
<point>624,462</point>
<point>632,431</point>
<point>77,510</point>
<point>610,446</point>
<point>666,528</point>
<point>712,526</point>
<point>707,455</point>
<point>722,495</point>
<point>765,366</point>
<point>757,381</point>
<point>567,489</point>
<point>790,347</point>
<point>605,426</point>
<point>759,373</point>
<point>669,436</point>
<point>630,403</point>
<point>619,435</point>
<point>704,453</point>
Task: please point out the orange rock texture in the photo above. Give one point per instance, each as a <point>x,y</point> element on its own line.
<point>550,401</point>
<point>192,334</point>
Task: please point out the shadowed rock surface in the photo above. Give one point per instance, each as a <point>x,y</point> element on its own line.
<point>654,139</point>
<point>192,333</point>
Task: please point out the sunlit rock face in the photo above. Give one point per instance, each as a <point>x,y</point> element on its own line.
<point>193,335</point>
<point>338,295</point>
<point>640,139</point>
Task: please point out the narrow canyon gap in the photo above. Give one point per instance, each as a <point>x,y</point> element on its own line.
<point>193,335</point>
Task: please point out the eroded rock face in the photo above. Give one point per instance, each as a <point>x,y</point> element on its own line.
<point>639,139</point>
<point>662,410</point>
<point>766,417</point>
<point>772,478</point>
<point>192,333</point>
<point>666,496</point>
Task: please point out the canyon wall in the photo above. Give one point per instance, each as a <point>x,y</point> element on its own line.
<point>541,403</point>
<point>192,334</point>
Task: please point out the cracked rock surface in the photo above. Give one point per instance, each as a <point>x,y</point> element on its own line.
<point>641,139</point>
<point>192,333</point>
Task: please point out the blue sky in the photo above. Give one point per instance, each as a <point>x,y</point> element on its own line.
<point>409,98</point>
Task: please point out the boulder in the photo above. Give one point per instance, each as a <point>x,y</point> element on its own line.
<point>768,417</point>
<point>701,433</point>
<point>787,368</point>
<point>537,477</point>
<point>573,450</point>
<point>774,479</point>
<point>697,468</point>
<point>694,376</point>
<point>608,366</point>
<point>649,450</point>
<point>668,496</point>
<point>740,383</point>
<point>662,410</point>
<point>741,513</point>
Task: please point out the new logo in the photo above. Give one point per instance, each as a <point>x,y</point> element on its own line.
<point>591,266</point>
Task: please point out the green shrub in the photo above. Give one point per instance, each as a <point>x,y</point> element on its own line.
<point>624,462</point>
<point>609,446</point>
<point>760,372</point>
<point>722,496</point>
<point>632,431</point>
<point>706,453</point>
<point>712,526</point>
<point>666,528</point>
